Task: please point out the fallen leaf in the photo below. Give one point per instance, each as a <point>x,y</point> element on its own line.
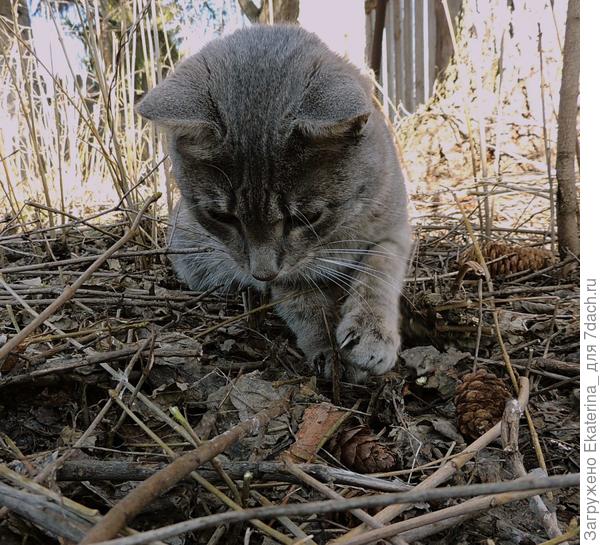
<point>318,423</point>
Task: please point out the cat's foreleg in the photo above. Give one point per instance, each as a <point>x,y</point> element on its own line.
<point>310,315</point>
<point>368,332</point>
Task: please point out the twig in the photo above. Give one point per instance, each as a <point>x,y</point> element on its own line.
<point>442,474</point>
<point>505,357</point>
<point>459,512</point>
<point>361,515</point>
<point>574,532</point>
<point>223,498</point>
<point>510,442</point>
<point>74,508</point>
<point>547,146</point>
<point>336,506</point>
<point>70,291</point>
<point>56,520</point>
<point>118,470</point>
<point>88,258</point>
<point>152,487</point>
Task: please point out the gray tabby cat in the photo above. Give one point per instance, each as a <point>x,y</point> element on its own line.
<point>289,174</point>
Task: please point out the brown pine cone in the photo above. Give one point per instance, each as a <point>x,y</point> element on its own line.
<point>360,450</point>
<point>480,400</point>
<point>514,258</point>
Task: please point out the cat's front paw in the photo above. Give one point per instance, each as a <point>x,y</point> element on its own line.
<point>368,344</point>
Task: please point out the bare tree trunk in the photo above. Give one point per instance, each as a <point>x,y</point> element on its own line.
<point>567,202</point>
<point>284,11</point>
<point>11,12</point>
<point>6,10</point>
<point>23,19</point>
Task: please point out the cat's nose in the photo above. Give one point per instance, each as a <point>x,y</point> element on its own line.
<point>265,276</point>
<point>264,265</point>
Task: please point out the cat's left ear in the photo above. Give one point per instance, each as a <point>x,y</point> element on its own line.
<point>334,106</point>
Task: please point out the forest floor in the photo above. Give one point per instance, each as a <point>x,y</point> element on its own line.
<point>133,342</point>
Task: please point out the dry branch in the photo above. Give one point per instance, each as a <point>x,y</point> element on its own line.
<point>56,520</point>
<point>510,442</point>
<point>535,485</point>
<point>363,516</point>
<point>119,470</point>
<point>445,472</point>
<point>70,291</point>
<point>152,487</point>
<point>457,513</point>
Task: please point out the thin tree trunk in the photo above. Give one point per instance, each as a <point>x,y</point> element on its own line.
<point>567,202</point>
<point>284,11</point>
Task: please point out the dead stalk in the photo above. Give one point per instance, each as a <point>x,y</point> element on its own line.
<point>70,291</point>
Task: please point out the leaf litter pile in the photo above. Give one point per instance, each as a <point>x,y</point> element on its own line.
<point>136,397</point>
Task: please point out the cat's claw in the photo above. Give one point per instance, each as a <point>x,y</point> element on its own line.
<point>367,346</point>
<point>323,364</point>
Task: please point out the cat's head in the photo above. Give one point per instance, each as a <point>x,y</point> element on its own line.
<point>270,137</point>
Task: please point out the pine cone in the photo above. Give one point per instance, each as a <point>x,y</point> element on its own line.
<point>480,400</point>
<point>518,258</point>
<point>360,450</point>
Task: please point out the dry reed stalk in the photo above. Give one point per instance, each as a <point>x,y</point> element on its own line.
<point>75,138</point>
<point>466,109</point>
<point>152,487</point>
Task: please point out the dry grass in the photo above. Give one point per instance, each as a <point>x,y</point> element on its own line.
<point>73,141</point>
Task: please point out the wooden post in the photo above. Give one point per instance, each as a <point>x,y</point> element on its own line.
<point>391,90</point>
<point>377,38</point>
<point>419,53</point>
<point>443,44</point>
<point>431,41</point>
<point>407,30</point>
<point>369,24</point>
<point>398,71</point>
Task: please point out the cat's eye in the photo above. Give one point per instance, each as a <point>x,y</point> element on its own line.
<point>313,217</point>
<point>223,217</point>
<point>305,219</point>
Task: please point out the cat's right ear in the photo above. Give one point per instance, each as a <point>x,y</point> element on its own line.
<point>335,107</point>
<point>181,105</point>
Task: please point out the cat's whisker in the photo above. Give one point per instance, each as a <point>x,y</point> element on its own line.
<point>345,285</point>
<point>305,221</point>
<point>311,281</point>
<point>349,281</point>
<point>371,243</point>
<point>362,251</point>
<point>211,165</point>
<point>402,213</point>
<point>341,262</point>
<point>352,279</point>
<point>357,251</point>
<point>370,271</point>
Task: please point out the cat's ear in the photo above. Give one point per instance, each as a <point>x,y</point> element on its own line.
<point>334,106</point>
<point>181,104</point>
